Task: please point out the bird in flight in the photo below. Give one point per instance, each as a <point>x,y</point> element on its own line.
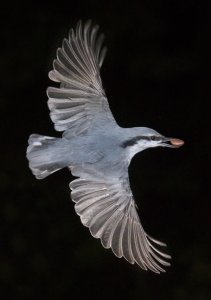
<point>96,150</point>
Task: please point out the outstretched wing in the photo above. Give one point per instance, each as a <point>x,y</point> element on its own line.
<point>80,99</point>
<point>108,209</point>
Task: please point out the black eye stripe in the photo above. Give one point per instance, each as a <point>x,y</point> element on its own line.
<point>151,138</point>
<point>155,138</point>
<point>134,140</point>
<point>130,142</point>
<point>146,138</point>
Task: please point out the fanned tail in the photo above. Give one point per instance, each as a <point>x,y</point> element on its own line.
<point>42,154</point>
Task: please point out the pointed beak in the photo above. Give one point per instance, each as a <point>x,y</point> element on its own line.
<point>172,142</point>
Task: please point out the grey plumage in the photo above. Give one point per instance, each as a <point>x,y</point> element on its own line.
<point>96,150</point>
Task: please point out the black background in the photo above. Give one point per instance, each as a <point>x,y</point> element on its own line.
<point>155,75</point>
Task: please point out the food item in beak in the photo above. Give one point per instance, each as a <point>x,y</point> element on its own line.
<point>177,142</point>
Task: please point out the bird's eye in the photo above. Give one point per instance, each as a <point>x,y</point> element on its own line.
<point>155,138</point>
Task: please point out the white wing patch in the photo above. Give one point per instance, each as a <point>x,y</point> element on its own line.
<point>108,209</point>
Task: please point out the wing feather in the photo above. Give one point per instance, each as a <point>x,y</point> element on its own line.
<point>77,68</point>
<point>107,207</point>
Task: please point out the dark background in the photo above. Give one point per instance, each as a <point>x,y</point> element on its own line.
<point>155,75</point>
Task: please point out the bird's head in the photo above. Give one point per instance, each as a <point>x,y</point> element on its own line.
<point>143,138</point>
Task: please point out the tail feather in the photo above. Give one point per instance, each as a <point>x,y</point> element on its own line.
<point>42,157</point>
